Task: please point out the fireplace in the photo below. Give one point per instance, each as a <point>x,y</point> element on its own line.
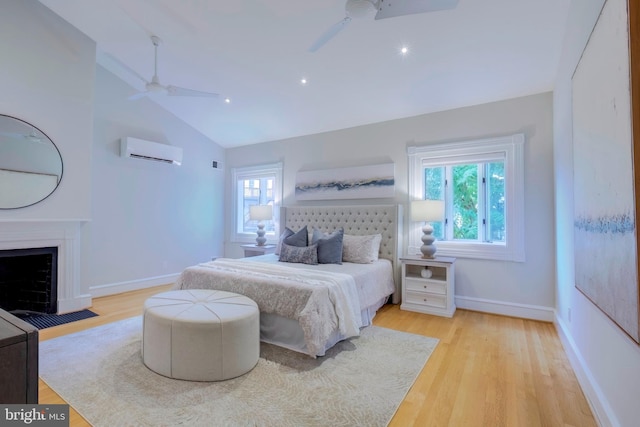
<point>29,280</point>
<point>66,236</point>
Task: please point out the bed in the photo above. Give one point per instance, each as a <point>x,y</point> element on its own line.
<point>309,308</point>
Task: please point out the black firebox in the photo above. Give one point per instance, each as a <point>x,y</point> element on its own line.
<point>29,280</point>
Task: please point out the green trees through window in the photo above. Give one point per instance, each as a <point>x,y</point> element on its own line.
<point>497,224</point>
<point>474,196</point>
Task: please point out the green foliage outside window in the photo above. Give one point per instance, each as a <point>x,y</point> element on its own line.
<point>434,179</point>
<point>464,209</point>
<point>465,202</point>
<point>496,202</point>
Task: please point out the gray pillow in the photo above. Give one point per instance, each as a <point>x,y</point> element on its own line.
<point>329,246</point>
<point>299,238</point>
<point>286,233</point>
<point>292,238</point>
<point>300,254</point>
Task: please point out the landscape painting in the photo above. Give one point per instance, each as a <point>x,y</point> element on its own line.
<point>605,234</point>
<point>360,182</point>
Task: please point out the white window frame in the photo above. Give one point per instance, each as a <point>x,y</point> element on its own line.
<point>511,149</point>
<point>256,172</point>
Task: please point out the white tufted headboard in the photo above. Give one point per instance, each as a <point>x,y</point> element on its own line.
<point>356,220</point>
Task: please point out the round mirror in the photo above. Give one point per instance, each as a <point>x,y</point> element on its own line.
<point>30,164</point>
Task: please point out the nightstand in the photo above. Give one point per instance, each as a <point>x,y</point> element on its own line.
<point>255,250</point>
<point>431,292</point>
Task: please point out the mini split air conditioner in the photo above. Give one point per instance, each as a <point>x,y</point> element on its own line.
<point>148,150</point>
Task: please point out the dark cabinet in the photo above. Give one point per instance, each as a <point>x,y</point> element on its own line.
<point>18,360</point>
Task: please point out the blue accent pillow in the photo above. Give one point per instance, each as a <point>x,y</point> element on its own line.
<point>299,254</point>
<point>291,238</point>
<point>299,238</point>
<point>329,246</point>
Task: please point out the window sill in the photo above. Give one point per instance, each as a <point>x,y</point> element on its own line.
<point>488,251</point>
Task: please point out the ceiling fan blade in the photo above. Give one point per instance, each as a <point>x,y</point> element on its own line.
<point>138,96</point>
<point>329,34</point>
<point>180,91</point>
<point>393,8</point>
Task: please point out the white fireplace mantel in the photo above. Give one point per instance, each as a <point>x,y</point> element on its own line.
<point>63,234</point>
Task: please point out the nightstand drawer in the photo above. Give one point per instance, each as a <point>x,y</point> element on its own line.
<point>424,285</point>
<point>431,300</point>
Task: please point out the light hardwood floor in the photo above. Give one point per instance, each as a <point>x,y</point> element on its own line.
<point>487,370</point>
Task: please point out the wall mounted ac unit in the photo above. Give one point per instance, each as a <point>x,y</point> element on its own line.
<point>148,150</point>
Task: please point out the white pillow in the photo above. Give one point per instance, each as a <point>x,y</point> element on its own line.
<point>361,249</point>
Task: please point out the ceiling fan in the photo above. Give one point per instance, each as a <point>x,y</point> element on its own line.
<point>154,86</point>
<point>357,9</point>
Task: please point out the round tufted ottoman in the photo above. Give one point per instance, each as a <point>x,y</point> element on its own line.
<point>200,335</point>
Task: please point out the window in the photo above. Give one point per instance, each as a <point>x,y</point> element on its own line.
<point>256,185</point>
<point>482,185</point>
<point>477,200</point>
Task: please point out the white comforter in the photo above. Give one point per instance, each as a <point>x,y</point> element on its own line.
<point>320,301</point>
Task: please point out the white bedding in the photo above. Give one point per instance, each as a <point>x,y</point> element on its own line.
<point>373,281</point>
<point>328,302</point>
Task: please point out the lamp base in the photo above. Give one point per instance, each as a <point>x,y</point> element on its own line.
<point>260,240</point>
<point>428,252</point>
<point>428,249</point>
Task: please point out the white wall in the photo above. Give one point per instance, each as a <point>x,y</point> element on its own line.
<point>528,287</point>
<point>134,223</point>
<point>606,360</point>
<point>150,220</point>
<point>46,79</point>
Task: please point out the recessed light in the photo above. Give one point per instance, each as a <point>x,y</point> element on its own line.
<point>227,100</point>
<point>404,50</point>
<point>303,81</point>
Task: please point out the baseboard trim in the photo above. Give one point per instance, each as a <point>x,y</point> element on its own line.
<point>132,285</point>
<point>599,404</point>
<point>525,311</point>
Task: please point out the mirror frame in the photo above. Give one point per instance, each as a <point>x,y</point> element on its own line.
<point>47,139</point>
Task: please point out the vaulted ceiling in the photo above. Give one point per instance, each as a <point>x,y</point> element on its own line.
<point>255,52</point>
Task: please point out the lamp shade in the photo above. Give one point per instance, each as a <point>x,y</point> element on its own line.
<point>260,212</point>
<point>427,210</point>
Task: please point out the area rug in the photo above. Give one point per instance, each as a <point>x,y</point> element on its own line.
<point>43,321</point>
<point>360,382</point>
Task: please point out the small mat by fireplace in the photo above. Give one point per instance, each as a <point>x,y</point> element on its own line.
<point>43,321</point>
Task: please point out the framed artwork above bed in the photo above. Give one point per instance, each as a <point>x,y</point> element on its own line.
<point>359,182</point>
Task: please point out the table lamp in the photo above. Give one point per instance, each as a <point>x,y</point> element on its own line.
<point>260,213</point>
<point>427,211</point>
